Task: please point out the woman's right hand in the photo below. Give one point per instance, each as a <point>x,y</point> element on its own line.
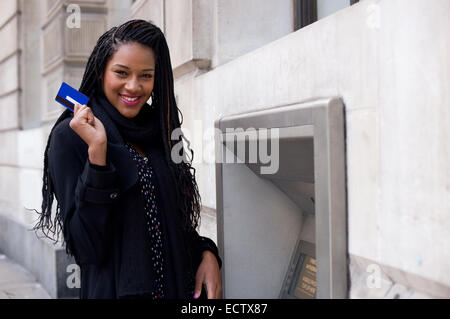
<point>92,131</point>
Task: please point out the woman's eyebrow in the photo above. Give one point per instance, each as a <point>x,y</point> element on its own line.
<point>124,66</point>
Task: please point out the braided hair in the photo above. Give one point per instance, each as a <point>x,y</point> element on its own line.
<point>145,33</point>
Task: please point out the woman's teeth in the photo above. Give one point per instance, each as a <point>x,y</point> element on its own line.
<point>130,99</point>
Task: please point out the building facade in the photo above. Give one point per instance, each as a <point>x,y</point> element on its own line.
<point>388,60</point>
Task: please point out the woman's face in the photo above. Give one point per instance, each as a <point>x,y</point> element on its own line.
<point>129,78</point>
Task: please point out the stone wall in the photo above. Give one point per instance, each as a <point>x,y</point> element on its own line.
<point>9,106</point>
<point>41,49</point>
<point>389,62</point>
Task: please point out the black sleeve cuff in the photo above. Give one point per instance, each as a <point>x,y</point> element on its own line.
<point>207,244</point>
<point>102,168</point>
<point>97,186</point>
<point>98,178</point>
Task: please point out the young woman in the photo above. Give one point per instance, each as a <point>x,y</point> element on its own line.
<point>127,211</point>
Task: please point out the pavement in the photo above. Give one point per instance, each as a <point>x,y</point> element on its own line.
<point>18,283</point>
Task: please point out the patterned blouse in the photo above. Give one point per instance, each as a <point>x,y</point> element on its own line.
<point>147,186</point>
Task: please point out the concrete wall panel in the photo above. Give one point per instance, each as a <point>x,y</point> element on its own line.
<point>9,75</point>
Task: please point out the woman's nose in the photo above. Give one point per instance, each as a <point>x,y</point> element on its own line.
<point>133,85</point>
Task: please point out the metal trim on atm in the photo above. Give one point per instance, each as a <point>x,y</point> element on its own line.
<point>326,116</point>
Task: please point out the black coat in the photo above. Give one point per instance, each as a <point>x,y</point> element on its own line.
<point>103,218</point>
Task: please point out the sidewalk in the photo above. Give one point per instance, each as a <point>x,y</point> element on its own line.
<point>17,283</point>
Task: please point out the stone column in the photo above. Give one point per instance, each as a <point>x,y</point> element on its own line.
<point>243,26</point>
<point>203,34</point>
<point>9,110</point>
<point>9,65</point>
<point>118,12</point>
<point>66,47</point>
<point>187,26</point>
<point>29,71</point>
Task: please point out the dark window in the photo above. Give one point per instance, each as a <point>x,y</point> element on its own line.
<point>306,12</point>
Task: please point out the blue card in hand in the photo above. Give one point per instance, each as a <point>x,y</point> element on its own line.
<point>68,97</point>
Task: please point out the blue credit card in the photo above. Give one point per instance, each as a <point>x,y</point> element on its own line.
<point>68,97</point>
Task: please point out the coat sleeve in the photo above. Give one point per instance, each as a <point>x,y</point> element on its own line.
<point>201,244</point>
<point>85,193</point>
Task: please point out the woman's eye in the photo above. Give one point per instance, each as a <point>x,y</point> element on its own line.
<point>121,72</point>
<point>147,76</point>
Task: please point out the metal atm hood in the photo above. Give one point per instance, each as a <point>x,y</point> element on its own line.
<point>281,201</point>
<point>294,174</point>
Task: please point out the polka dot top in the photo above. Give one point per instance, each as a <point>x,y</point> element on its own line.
<point>147,185</point>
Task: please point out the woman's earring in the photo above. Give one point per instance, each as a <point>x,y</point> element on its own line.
<point>152,103</point>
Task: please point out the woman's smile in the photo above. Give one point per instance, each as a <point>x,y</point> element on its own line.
<point>130,100</point>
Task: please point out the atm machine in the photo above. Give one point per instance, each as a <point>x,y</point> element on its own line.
<point>281,202</point>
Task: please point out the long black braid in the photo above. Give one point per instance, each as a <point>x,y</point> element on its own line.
<point>147,34</point>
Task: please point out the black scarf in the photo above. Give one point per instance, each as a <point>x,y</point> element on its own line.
<point>143,130</point>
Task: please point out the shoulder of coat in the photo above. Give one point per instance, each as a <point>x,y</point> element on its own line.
<point>63,136</point>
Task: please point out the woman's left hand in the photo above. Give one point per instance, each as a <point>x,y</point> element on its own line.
<point>208,273</point>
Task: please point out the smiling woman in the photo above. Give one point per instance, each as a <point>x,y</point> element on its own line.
<point>129,78</point>
<point>128,213</point>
